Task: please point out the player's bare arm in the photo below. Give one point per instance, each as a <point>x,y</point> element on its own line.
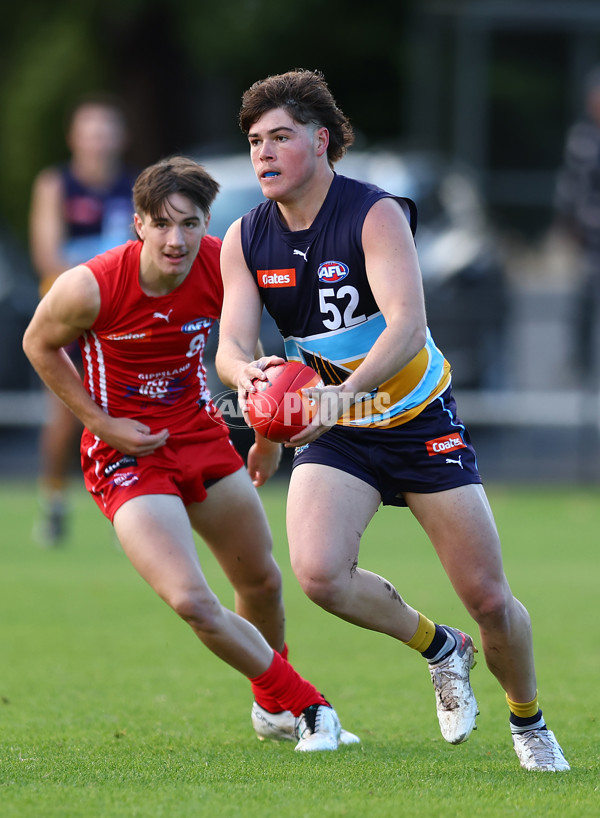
<point>264,458</point>
<point>395,279</point>
<point>240,355</point>
<point>46,227</point>
<point>70,308</point>
<point>240,320</point>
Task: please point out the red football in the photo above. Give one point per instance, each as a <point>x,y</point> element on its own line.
<point>278,409</point>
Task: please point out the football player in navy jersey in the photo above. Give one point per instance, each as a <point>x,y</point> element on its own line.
<point>334,262</point>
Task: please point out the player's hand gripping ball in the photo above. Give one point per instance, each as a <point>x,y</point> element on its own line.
<point>278,410</point>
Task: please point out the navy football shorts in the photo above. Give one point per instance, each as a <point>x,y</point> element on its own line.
<point>432,452</point>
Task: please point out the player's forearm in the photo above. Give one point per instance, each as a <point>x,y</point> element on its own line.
<point>60,376</point>
<point>231,359</point>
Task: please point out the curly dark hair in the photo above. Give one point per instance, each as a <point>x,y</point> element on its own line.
<point>306,97</point>
<point>177,174</point>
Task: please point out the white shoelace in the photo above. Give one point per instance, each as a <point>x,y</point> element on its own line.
<point>541,747</point>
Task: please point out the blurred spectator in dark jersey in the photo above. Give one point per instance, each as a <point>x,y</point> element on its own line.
<point>577,204</point>
<point>78,209</point>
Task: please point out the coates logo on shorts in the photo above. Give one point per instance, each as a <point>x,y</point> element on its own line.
<point>276,278</point>
<point>330,272</point>
<point>448,443</point>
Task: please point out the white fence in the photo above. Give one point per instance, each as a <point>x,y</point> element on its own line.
<point>22,408</point>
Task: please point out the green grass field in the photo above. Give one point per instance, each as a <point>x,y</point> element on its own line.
<point>110,707</point>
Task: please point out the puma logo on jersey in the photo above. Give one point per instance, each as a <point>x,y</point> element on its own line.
<point>276,278</point>
<point>164,316</point>
<point>300,253</point>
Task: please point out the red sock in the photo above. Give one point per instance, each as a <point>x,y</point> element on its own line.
<point>262,698</point>
<point>285,685</point>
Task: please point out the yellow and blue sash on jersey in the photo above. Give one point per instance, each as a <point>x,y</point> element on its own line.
<point>334,355</point>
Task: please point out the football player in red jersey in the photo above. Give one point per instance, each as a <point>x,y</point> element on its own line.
<point>157,458</point>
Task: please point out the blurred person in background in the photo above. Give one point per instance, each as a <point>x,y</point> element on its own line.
<point>577,206</point>
<point>79,208</point>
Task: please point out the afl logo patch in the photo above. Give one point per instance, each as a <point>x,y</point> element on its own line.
<point>332,271</point>
<point>197,325</point>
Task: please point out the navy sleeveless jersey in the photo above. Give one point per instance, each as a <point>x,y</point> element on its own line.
<point>314,284</point>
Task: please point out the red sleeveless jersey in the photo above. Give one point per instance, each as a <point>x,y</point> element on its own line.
<point>143,356</point>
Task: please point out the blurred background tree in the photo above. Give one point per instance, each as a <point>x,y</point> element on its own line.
<point>181,71</point>
<point>492,83</point>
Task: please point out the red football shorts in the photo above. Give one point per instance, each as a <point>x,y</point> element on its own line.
<point>185,466</point>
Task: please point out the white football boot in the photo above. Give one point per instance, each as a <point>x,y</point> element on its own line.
<point>276,726</point>
<point>539,750</point>
<point>454,698</point>
<point>318,729</point>
<point>284,726</point>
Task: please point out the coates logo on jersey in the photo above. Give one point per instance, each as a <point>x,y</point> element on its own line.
<point>330,272</point>
<point>448,443</point>
<point>198,324</point>
<point>276,278</point>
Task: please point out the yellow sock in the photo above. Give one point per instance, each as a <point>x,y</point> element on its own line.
<point>524,710</point>
<point>423,636</point>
